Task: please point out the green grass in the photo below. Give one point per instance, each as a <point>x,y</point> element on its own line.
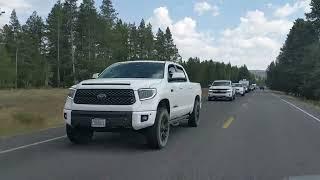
<point>314,103</point>
<point>23,111</point>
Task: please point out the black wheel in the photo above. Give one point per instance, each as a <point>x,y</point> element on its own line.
<point>195,115</point>
<point>158,134</point>
<point>242,94</point>
<point>79,136</point>
<point>209,99</point>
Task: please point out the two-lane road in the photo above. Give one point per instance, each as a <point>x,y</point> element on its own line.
<point>258,136</point>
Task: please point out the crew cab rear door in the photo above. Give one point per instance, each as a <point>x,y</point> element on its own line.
<point>173,88</point>
<point>186,96</point>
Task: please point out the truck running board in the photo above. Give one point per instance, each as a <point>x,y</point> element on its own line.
<point>176,121</point>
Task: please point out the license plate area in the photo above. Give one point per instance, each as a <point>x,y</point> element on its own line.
<point>98,122</point>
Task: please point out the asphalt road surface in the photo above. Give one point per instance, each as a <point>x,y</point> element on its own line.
<point>259,136</point>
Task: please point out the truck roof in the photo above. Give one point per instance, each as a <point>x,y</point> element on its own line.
<point>221,81</point>
<point>150,61</point>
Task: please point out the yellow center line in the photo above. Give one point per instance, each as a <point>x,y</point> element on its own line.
<point>228,122</point>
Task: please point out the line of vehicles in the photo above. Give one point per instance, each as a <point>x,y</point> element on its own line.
<point>225,89</point>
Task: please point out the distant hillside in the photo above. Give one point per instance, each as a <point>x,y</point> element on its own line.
<point>259,73</point>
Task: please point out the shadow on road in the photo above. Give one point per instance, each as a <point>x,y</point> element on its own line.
<point>124,141</point>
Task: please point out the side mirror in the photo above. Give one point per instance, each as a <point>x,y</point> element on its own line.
<point>95,75</point>
<point>178,76</point>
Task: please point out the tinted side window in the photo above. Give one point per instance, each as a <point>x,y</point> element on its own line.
<point>171,70</point>
<point>180,70</point>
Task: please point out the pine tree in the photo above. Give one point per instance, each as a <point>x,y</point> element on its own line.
<point>149,42</point>
<point>31,53</point>
<point>69,27</point>
<point>171,51</point>
<point>160,46</point>
<point>145,46</point>
<point>291,55</point>
<point>54,37</point>
<point>121,44</point>
<point>133,42</point>
<point>14,22</point>
<point>13,41</point>
<point>87,39</point>
<point>108,13</point>
<point>314,15</point>
<point>7,69</point>
<point>141,49</point>
<point>107,34</point>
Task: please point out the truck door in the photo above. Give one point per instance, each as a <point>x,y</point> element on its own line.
<point>185,93</point>
<point>173,91</point>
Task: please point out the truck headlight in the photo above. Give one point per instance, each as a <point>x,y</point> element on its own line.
<point>229,90</point>
<point>147,93</point>
<point>71,93</point>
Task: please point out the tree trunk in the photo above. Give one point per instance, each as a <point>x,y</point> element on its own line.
<point>16,83</point>
<point>58,58</point>
<point>72,56</point>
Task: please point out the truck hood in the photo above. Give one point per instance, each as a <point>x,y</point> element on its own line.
<point>220,87</point>
<point>118,83</point>
<point>239,88</point>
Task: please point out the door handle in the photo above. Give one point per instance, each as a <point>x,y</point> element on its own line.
<point>180,88</point>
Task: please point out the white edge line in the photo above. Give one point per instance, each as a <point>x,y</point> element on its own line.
<point>317,119</point>
<point>33,144</point>
<point>26,133</point>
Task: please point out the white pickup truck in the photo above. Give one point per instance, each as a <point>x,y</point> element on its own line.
<point>221,89</point>
<point>239,88</point>
<point>146,96</point>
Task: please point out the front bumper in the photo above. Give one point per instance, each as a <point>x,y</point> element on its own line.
<point>239,92</point>
<point>114,119</point>
<point>220,95</point>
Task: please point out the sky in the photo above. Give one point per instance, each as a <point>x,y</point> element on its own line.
<point>241,32</point>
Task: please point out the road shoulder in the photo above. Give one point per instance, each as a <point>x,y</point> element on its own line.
<point>30,138</point>
<point>306,106</point>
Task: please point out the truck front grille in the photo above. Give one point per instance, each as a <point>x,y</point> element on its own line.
<point>219,92</point>
<point>105,96</point>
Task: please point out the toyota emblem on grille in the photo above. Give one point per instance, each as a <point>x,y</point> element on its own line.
<point>101,96</point>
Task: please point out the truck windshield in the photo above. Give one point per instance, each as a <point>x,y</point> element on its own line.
<point>152,70</point>
<point>237,85</point>
<point>221,83</point>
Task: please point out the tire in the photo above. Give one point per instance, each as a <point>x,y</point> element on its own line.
<point>158,134</point>
<point>195,115</point>
<point>242,94</point>
<point>79,136</point>
<point>209,99</point>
